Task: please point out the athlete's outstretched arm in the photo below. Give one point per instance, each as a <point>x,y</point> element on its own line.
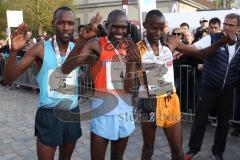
<point>175,44</point>
<point>85,47</point>
<point>80,54</point>
<point>12,70</point>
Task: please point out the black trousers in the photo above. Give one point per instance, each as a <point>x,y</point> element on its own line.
<point>209,98</point>
<point>237,106</point>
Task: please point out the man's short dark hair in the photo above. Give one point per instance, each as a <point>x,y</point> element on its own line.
<point>115,13</point>
<point>153,13</point>
<point>63,8</point>
<point>215,20</point>
<point>184,24</point>
<point>234,15</point>
<point>79,27</point>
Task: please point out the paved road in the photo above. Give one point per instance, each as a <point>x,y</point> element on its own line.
<point>17,112</point>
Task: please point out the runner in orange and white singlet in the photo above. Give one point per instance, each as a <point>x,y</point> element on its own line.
<point>113,118</point>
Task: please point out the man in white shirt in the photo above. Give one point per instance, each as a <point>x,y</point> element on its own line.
<point>219,77</point>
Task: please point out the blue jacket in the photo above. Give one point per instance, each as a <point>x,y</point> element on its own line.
<point>218,72</point>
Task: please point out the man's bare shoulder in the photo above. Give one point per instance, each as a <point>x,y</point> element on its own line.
<point>36,50</point>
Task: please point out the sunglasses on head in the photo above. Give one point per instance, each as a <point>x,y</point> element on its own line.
<point>176,34</point>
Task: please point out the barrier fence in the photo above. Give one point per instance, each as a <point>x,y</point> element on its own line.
<point>187,85</point>
<point>27,79</point>
<point>2,62</point>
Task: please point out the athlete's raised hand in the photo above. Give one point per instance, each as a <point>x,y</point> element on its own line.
<point>228,38</point>
<point>90,30</point>
<point>18,39</point>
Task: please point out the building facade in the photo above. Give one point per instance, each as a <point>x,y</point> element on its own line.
<point>237,4</point>
<point>85,9</point>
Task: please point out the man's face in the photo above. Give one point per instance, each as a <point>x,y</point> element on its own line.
<point>81,30</point>
<point>184,29</point>
<point>154,28</point>
<point>189,37</point>
<point>231,26</point>
<point>1,43</point>
<point>64,25</point>
<point>204,24</point>
<point>177,33</point>
<point>214,28</point>
<point>29,34</point>
<point>117,30</point>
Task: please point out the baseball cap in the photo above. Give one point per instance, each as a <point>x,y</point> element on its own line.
<point>203,20</point>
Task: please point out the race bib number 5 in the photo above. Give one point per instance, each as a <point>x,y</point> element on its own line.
<point>61,85</point>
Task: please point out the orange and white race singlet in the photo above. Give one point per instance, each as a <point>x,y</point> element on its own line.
<point>158,69</point>
<point>109,71</point>
<point>108,74</point>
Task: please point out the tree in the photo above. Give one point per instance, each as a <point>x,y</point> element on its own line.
<point>223,3</point>
<point>38,13</point>
<point>3,24</point>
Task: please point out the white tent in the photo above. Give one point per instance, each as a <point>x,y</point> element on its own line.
<point>192,18</point>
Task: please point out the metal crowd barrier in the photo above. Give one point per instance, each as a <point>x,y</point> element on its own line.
<point>2,62</point>
<point>188,90</point>
<point>86,86</point>
<point>28,79</point>
<point>188,95</point>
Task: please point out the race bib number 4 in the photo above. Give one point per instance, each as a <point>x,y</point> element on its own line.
<point>115,72</point>
<point>61,85</point>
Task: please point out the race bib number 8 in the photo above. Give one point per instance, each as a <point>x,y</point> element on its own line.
<point>115,72</point>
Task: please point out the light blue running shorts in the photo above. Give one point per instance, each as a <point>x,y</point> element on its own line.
<point>113,127</point>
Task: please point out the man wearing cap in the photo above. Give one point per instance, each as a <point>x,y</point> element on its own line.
<point>201,30</point>
<point>204,23</point>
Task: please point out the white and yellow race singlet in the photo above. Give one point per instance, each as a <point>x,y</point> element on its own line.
<point>158,69</point>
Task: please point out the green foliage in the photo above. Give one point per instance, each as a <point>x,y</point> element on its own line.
<point>3,24</point>
<point>3,36</point>
<point>226,4</point>
<point>37,13</point>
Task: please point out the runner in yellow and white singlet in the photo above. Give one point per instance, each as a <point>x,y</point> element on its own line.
<point>160,104</point>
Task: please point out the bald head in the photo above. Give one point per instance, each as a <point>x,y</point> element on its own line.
<point>114,15</point>
<point>153,14</point>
